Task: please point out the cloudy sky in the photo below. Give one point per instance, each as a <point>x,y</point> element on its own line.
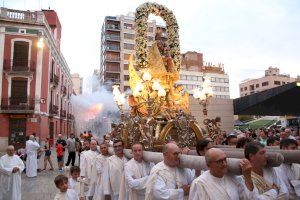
<point>247,36</point>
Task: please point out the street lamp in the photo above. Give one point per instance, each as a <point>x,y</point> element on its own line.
<point>203,96</point>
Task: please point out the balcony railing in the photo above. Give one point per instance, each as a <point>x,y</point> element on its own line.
<point>63,113</point>
<point>54,79</point>
<point>26,16</point>
<point>19,65</point>
<point>112,48</point>
<point>112,37</point>
<point>112,27</point>
<point>17,105</point>
<point>70,116</point>
<point>63,90</point>
<point>112,58</point>
<point>53,109</point>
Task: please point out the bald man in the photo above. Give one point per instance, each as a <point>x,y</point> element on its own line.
<point>31,161</point>
<point>216,184</point>
<point>167,180</point>
<point>11,167</point>
<point>87,165</point>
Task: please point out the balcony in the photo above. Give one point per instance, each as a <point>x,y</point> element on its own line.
<point>113,48</point>
<point>70,116</point>
<point>53,110</point>
<point>112,59</point>
<point>112,37</point>
<point>112,27</point>
<point>63,114</point>
<point>19,66</point>
<point>22,16</point>
<point>17,105</point>
<point>54,79</point>
<point>63,90</point>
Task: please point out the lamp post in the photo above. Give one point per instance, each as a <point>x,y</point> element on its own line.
<point>204,96</point>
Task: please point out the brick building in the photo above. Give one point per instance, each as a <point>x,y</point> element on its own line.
<point>35,79</point>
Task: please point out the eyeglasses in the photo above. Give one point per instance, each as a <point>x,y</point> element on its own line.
<point>220,161</point>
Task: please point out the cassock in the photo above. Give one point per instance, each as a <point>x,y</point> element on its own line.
<point>290,175</point>
<point>70,194</point>
<point>100,173</point>
<point>31,160</point>
<point>116,179</point>
<point>209,187</point>
<point>10,182</point>
<point>86,168</point>
<point>264,184</point>
<point>165,182</point>
<point>136,177</point>
<point>80,186</point>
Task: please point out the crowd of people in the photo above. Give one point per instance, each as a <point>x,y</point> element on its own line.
<point>100,175</point>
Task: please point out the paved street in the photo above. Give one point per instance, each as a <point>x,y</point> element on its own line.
<point>42,187</point>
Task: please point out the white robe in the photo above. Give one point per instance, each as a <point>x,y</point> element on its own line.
<point>86,168</point>
<point>80,186</point>
<point>290,175</point>
<point>165,182</point>
<point>116,179</point>
<point>208,187</point>
<point>100,173</point>
<point>10,182</point>
<point>69,195</point>
<point>136,177</point>
<point>31,160</point>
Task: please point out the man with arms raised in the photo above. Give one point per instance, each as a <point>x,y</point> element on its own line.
<point>290,172</point>
<point>266,180</point>
<point>100,172</point>
<point>11,167</point>
<point>215,184</point>
<point>116,181</point>
<point>31,161</point>
<point>167,180</point>
<point>137,173</point>
<point>87,167</point>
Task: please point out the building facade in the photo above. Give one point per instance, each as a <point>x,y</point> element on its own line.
<point>272,79</point>
<point>35,79</point>
<point>77,82</point>
<point>194,69</point>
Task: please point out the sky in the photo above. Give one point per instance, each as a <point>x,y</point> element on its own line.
<point>247,36</point>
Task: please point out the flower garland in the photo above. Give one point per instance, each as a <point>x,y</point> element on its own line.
<point>141,17</point>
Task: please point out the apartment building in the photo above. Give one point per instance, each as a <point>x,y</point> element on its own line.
<point>272,79</point>
<point>35,79</point>
<point>77,82</point>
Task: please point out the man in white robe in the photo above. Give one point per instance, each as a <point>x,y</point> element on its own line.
<point>115,184</point>
<point>87,166</point>
<point>290,172</point>
<point>11,167</point>
<point>266,180</point>
<point>215,184</point>
<point>137,172</point>
<point>31,161</point>
<point>167,180</point>
<point>100,172</point>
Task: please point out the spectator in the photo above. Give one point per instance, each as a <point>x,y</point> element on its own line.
<point>61,141</point>
<point>202,146</point>
<point>47,156</point>
<point>232,139</point>
<point>71,146</point>
<point>60,156</point>
<point>273,141</point>
<point>241,143</point>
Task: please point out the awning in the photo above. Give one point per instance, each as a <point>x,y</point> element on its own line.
<point>279,101</point>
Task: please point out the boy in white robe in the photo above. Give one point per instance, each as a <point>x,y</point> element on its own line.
<point>137,173</point>
<point>115,184</point>
<point>61,182</point>
<point>31,161</point>
<point>78,184</point>
<point>266,180</point>
<point>100,172</point>
<point>290,172</point>
<point>87,167</point>
<point>11,167</point>
<point>215,184</point>
<point>167,180</point>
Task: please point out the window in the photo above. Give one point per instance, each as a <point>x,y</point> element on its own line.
<point>226,80</point>
<point>126,56</point>
<point>213,79</point>
<point>265,83</point>
<point>221,80</point>
<point>283,82</point>
<point>200,78</point>
<point>183,77</point>
<point>257,85</point>
<point>194,78</point>
<point>125,66</point>
<point>128,26</point>
<point>276,82</point>
<point>241,89</point>
<point>226,89</point>
<point>251,87</point>
<point>126,77</point>
<point>128,36</point>
<point>245,88</point>
<point>128,46</point>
